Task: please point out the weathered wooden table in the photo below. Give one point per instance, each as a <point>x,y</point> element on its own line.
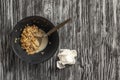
<point>94,33</point>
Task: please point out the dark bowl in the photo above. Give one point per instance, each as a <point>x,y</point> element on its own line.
<point>43,24</point>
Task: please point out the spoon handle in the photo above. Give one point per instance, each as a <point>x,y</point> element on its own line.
<point>56,28</point>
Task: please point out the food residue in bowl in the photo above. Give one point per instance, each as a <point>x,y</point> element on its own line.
<point>15,40</point>
<point>49,42</point>
<point>30,42</point>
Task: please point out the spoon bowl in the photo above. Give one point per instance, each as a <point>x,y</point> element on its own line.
<point>40,37</point>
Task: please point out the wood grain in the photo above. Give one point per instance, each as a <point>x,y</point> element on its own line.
<point>94,32</point>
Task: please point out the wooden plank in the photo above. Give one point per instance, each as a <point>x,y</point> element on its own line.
<point>94,33</point>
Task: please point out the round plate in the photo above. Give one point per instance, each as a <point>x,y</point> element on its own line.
<point>43,24</point>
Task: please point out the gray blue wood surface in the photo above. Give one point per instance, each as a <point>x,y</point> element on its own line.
<point>94,33</point>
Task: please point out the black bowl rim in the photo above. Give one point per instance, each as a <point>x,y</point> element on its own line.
<point>54,51</point>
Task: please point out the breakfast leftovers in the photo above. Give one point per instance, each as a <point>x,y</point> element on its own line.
<point>28,40</point>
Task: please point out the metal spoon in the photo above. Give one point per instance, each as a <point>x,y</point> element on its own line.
<point>52,30</point>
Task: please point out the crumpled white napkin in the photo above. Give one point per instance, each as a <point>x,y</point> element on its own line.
<point>66,56</point>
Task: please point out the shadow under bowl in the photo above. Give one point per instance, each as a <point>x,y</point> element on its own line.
<point>43,24</point>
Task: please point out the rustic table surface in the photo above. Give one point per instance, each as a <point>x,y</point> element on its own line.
<point>94,33</point>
